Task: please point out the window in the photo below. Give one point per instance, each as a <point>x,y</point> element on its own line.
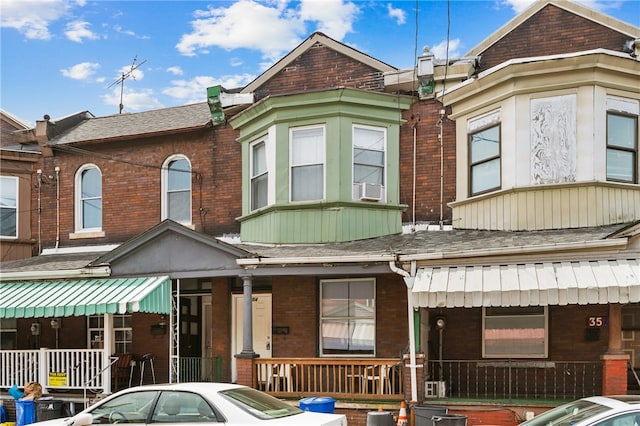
<point>121,328</point>
<point>88,198</point>
<point>515,332</point>
<point>369,145</point>
<point>8,206</point>
<point>484,152</point>
<point>347,322</point>
<point>132,407</point>
<point>177,189</point>
<point>622,147</point>
<point>8,334</point>
<point>307,163</point>
<point>259,175</point>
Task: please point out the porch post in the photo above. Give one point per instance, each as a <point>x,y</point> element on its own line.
<point>247,318</point>
<point>614,361</point>
<point>107,350</point>
<point>245,361</point>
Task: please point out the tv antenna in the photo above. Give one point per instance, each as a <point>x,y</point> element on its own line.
<point>124,76</point>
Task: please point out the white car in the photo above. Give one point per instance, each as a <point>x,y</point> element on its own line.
<point>198,404</point>
<point>623,410</point>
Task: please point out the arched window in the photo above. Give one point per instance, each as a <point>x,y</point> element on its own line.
<point>176,189</point>
<point>88,185</point>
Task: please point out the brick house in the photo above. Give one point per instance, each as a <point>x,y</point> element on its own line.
<point>366,232</point>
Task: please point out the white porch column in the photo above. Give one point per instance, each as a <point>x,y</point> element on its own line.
<point>107,350</point>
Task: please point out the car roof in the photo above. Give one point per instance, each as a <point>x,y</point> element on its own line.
<point>615,400</point>
<point>189,386</point>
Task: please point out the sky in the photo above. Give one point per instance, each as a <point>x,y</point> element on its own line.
<point>60,57</point>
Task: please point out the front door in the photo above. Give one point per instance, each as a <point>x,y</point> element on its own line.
<point>190,339</point>
<point>261,311</point>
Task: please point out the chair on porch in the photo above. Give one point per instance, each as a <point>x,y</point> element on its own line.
<point>121,371</point>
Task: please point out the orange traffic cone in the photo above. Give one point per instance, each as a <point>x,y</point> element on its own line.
<point>402,417</point>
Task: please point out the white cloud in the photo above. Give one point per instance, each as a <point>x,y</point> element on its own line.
<point>78,30</point>
<point>520,6</point>
<point>175,70</point>
<point>333,17</point>
<point>270,27</point>
<point>132,100</point>
<point>81,71</point>
<point>31,17</point>
<point>440,49</point>
<point>195,90</point>
<point>398,14</point>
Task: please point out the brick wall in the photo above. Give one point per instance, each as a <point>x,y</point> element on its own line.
<point>552,31</point>
<point>131,185</point>
<point>425,116</point>
<point>320,68</point>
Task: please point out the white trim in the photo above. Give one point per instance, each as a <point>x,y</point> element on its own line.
<point>101,272</point>
<point>164,176</point>
<point>78,216</point>
<point>16,208</point>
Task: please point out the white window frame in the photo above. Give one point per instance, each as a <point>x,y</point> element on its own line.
<point>122,332</point>
<point>15,207</point>
<point>627,109</point>
<point>253,177</point>
<point>383,166</point>
<point>323,318</point>
<point>512,319</point>
<point>79,200</point>
<point>165,189</point>
<point>319,161</point>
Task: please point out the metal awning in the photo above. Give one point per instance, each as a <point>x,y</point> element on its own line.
<point>528,284</point>
<point>62,298</point>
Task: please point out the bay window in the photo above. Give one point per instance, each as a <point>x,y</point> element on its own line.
<point>307,163</point>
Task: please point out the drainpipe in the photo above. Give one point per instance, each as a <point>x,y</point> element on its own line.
<point>39,211</point>
<point>57,169</point>
<point>408,280</point>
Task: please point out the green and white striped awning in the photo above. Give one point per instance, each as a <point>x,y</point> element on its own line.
<point>63,298</point>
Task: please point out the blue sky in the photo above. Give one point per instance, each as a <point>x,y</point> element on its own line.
<point>59,57</point>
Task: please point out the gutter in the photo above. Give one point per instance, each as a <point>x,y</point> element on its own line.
<point>101,272</point>
<point>257,261</point>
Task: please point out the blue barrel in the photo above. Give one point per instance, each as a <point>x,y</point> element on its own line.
<point>25,412</point>
<point>318,404</point>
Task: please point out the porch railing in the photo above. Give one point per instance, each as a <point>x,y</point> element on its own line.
<point>53,368</point>
<point>371,379</point>
<point>513,379</point>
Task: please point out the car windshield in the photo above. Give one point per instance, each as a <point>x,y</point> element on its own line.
<point>260,404</point>
<point>567,414</point>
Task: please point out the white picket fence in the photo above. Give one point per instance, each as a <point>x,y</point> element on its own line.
<point>56,369</point>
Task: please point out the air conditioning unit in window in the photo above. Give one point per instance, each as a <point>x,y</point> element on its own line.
<point>370,191</point>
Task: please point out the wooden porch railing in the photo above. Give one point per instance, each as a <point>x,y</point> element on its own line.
<point>340,378</point>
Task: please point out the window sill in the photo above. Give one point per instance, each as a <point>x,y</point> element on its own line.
<point>90,234</point>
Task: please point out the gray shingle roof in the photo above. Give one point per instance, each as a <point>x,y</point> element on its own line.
<point>427,242</point>
<point>137,124</point>
<point>51,262</point>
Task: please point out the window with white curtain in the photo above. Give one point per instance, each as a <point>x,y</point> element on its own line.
<point>259,175</point>
<point>307,163</point>
<point>88,198</point>
<point>347,317</point>
<point>8,206</point>
<point>176,190</point>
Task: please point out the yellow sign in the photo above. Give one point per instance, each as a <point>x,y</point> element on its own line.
<point>57,379</point>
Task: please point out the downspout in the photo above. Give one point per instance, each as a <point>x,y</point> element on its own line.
<point>57,169</point>
<point>440,136</point>
<point>408,280</point>
<point>413,201</point>
<point>39,211</point>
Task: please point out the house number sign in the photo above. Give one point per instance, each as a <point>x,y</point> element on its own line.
<point>597,321</point>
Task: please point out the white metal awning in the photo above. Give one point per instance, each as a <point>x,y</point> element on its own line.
<point>528,284</point>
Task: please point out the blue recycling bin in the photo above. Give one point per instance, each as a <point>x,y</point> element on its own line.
<point>25,412</point>
<point>318,404</point>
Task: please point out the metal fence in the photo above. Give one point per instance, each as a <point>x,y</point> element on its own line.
<point>513,379</point>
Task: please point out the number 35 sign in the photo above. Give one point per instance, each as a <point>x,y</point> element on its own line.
<point>597,321</point>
